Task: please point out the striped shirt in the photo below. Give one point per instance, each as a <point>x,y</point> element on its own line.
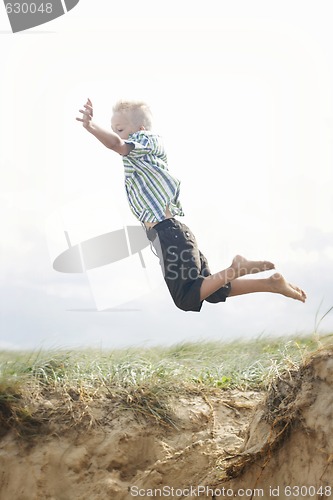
<point>149,186</point>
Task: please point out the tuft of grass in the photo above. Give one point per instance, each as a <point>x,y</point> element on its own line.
<point>43,389</point>
<point>15,413</point>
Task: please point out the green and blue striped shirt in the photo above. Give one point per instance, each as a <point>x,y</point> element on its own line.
<point>149,186</point>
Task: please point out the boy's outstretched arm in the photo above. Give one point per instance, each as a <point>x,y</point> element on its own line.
<point>106,137</point>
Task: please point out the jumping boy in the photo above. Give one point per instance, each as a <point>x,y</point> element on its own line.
<point>153,195</point>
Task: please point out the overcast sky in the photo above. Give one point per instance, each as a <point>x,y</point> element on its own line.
<point>241,92</point>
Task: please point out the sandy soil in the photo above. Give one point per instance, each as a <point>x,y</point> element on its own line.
<point>232,445</point>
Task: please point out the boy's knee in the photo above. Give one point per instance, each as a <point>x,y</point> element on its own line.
<point>184,304</point>
<point>186,296</point>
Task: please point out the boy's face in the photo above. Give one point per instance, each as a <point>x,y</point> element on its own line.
<point>122,124</point>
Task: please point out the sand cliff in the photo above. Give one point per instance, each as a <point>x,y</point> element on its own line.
<point>230,444</point>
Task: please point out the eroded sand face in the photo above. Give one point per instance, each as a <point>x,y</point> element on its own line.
<point>239,445</point>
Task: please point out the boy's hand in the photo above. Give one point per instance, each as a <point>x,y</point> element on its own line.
<point>87,114</point>
<point>106,137</point>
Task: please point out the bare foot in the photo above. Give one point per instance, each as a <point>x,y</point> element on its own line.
<point>242,266</point>
<point>280,285</point>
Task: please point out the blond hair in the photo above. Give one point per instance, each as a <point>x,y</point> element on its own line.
<point>141,114</point>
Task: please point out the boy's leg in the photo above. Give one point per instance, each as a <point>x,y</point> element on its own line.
<point>222,293</point>
<point>182,264</point>
<point>274,284</point>
<point>239,267</point>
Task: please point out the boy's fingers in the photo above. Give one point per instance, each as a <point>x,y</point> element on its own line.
<point>85,112</point>
<point>89,108</point>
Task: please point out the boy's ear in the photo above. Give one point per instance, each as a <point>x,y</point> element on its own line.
<point>142,127</point>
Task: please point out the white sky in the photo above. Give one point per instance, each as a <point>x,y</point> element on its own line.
<point>241,92</point>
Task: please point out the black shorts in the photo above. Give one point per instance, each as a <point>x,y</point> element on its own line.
<point>184,266</point>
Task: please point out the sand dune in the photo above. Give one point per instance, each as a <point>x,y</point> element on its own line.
<point>234,444</point>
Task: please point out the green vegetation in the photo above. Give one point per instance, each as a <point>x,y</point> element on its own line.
<point>43,388</point>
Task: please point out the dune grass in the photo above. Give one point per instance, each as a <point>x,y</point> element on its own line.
<point>39,388</point>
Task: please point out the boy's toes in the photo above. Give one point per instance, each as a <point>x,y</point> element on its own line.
<point>268,265</point>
